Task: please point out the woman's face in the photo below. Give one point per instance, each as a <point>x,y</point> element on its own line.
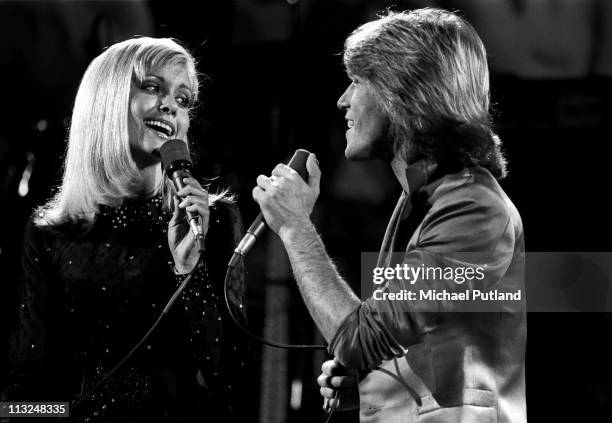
<point>159,109</point>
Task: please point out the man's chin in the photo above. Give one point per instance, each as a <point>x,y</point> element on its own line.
<point>360,153</point>
<point>356,152</point>
<point>356,156</point>
<point>375,150</point>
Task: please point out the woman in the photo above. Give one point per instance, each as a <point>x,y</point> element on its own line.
<point>104,256</point>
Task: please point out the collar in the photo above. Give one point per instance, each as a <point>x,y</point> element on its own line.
<point>422,178</point>
<point>418,175</point>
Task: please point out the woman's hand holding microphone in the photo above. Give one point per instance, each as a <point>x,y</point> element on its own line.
<point>194,198</point>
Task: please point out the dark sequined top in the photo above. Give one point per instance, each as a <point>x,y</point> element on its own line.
<point>90,293</point>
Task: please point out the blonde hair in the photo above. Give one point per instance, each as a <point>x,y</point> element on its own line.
<point>99,168</point>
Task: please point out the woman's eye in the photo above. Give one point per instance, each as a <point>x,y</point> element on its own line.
<point>151,87</point>
<point>184,101</point>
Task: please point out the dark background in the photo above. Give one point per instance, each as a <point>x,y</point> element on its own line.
<point>274,74</point>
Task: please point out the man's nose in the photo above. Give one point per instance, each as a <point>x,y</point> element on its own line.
<point>343,101</point>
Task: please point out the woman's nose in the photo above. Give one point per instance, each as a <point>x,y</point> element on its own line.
<point>168,105</point>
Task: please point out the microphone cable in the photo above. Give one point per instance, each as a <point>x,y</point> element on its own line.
<point>144,338</point>
<point>298,164</point>
<point>328,413</point>
<point>236,258</point>
<point>239,258</point>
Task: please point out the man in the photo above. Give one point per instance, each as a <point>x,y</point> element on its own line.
<point>419,97</point>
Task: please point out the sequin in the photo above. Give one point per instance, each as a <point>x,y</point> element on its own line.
<point>104,322</point>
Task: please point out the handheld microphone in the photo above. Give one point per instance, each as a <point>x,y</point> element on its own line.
<point>177,164</point>
<point>297,163</point>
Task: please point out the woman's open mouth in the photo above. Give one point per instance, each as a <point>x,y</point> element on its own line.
<point>162,129</point>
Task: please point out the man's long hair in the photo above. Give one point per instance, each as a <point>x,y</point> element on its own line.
<point>428,68</point>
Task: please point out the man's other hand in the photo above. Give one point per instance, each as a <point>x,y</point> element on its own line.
<point>337,379</point>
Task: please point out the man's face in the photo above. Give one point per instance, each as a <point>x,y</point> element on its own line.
<point>367,122</point>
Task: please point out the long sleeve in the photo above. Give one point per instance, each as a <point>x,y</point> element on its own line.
<point>29,377</point>
<point>467,220</point>
<point>90,292</point>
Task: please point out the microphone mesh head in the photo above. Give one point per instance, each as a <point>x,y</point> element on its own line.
<point>172,151</point>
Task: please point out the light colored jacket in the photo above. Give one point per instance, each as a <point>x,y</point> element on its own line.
<point>432,363</point>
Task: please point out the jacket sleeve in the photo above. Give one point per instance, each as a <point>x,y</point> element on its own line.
<point>463,229</point>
